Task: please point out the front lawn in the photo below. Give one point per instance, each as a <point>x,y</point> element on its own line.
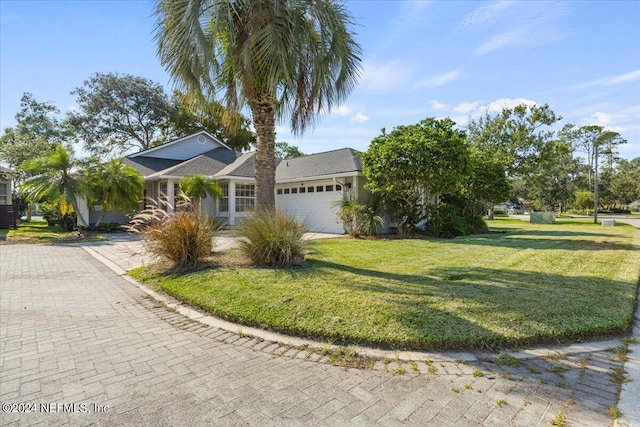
<point>37,231</point>
<point>531,284</point>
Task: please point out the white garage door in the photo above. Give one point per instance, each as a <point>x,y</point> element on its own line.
<point>314,209</point>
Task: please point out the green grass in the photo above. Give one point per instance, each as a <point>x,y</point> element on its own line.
<point>37,231</point>
<point>528,284</point>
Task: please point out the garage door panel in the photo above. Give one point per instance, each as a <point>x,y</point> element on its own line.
<point>313,209</point>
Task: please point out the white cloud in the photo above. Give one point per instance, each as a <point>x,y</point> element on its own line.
<point>624,78</point>
<point>343,110</point>
<point>437,105</point>
<point>412,16</point>
<point>486,14</point>
<point>466,107</point>
<point>440,80</point>
<point>613,80</point>
<point>383,78</point>
<point>73,108</point>
<point>601,119</point>
<point>500,104</point>
<point>360,118</point>
<point>516,24</point>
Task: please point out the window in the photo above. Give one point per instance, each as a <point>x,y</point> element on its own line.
<point>245,197</point>
<point>223,203</point>
<point>338,187</point>
<point>310,190</point>
<point>4,193</point>
<point>329,188</point>
<point>294,191</point>
<point>319,189</point>
<point>286,191</point>
<point>279,190</point>
<point>302,190</point>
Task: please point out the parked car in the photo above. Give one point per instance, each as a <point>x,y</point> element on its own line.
<point>516,210</point>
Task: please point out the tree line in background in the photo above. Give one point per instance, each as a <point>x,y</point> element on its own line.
<point>434,176</point>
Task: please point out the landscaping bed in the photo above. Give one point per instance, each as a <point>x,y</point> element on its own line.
<point>529,285</point>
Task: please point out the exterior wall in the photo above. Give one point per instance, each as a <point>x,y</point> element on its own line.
<point>111,217</point>
<point>191,146</point>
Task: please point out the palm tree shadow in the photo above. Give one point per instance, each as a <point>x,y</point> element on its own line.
<point>526,307</point>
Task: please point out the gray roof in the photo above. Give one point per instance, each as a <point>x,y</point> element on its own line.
<point>334,162</point>
<point>149,165</point>
<point>224,162</point>
<point>208,163</point>
<point>242,167</point>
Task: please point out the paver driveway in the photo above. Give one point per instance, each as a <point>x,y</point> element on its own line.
<point>73,332</point>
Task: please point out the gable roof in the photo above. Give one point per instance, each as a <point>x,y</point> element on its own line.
<point>209,163</point>
<point>242,167</point>
<point>171,146</point>
<point>342,161</point>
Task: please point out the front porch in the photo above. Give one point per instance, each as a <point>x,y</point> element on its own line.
<point>237,200</point>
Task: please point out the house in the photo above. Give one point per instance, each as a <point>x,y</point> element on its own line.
<point>7,207</point>
<point>306,187</point>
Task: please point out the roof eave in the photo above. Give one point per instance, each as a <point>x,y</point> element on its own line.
<point>319,177</point>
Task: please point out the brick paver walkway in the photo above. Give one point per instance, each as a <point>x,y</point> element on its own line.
<point>73,332</point>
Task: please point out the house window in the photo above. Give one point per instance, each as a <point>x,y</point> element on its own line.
<point>329,188</point>
<point>302,190</point>
<point>223,202</point>
<point>319,189</point>
<point>294,191</point>
<point>279,190</point>
<point>286,191</point>
<point>4,193</point>
<point>338,187</point>
<point>310,190</point>
<point>245,197</point>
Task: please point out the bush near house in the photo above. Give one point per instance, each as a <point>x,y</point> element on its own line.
<point>182,239</point>
<point>273,239</point>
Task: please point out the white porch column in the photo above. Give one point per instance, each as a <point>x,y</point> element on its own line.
<point>232,203</point>
<point>171,197</point>
<point>83,208</point>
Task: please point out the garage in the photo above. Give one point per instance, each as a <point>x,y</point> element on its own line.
<point>311,203</point>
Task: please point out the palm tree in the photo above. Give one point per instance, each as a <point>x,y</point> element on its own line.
<point>196,187</point>
<point>114,185</point>
<point>55,176</point>
<point>296,58</point>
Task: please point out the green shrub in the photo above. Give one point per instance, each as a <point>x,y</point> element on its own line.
<point>59,213</point>
<point>445,221</point>
<point>182,238</point>
<point>359,219</point>
<point>272,238</point>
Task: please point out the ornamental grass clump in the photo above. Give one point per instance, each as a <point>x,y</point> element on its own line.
<point>181,239</point>
<point>272,239</point>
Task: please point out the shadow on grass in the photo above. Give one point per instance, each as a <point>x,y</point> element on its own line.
<point>455,308</point>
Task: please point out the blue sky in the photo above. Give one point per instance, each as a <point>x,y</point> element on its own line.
<point>420,59</point>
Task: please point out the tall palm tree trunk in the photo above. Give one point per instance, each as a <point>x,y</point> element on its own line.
<point>263,112</point>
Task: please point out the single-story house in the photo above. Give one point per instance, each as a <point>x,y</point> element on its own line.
<point>306,187</point>
<point>7,207</point>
